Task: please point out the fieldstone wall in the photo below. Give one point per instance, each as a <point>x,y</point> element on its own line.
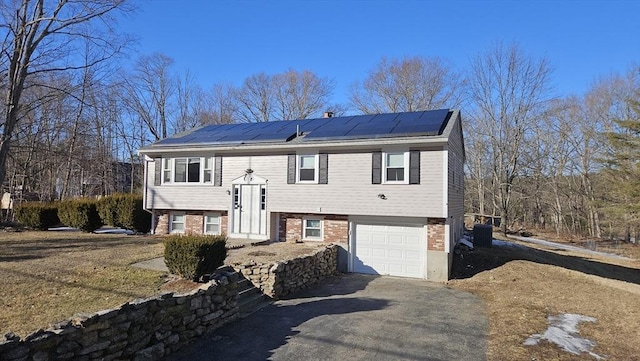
<point>279,279</point>
<point>143,329</point>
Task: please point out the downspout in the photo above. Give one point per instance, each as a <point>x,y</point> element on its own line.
<point>144,194</point>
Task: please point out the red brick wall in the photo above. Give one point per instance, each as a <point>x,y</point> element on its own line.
<point>162,223</point>
<point>194,222</point>
<point>335,227</point>
<point>223,223</point>
<point>435,234</point>
<point>290,227</point>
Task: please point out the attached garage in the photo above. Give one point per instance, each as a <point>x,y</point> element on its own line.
<point>385,248</point>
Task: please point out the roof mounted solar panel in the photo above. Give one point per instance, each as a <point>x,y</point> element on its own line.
<point>329,131</point>
<point>425,123</point>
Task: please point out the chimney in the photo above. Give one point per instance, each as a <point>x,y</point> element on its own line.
<point>327,115</point>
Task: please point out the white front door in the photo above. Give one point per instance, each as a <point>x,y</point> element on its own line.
<point>249,210</point>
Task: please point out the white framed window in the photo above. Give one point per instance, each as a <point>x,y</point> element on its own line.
<point>395,167</point>
<point>177,222</point>
<point>208,170</point>
<point>167,164</point>
<point>312,228</point>
<point>194,170</point>
<point>307,168</point>
<point>211,223</point>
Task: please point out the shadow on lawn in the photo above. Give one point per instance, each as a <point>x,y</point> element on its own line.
<point>18,249</point>
<point>56,281</point>
<point>472,262</point>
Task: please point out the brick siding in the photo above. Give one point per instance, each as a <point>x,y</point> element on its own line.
<point>435,234</point>
<point>335,227</point>
<point>194,222</point>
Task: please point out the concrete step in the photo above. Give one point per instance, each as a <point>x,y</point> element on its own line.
<point>244,284</point>
<point>251,304</point>
<point>248,293</point>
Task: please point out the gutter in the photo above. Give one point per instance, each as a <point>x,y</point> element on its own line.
<point>250,148</point>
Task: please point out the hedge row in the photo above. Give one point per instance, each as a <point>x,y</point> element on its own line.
<point>120,210</point>
<point>38,215</point>
<point>193,256</point>
<point>125,211</point>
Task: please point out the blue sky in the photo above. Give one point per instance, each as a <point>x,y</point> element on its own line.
<point>226,41</point>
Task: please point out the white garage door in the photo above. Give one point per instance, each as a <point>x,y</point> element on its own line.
<point>396,250</point>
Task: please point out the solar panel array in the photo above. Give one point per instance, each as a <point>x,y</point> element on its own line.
<point>426,123</point>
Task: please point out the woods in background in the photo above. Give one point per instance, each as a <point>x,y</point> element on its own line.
<point>74,118</point>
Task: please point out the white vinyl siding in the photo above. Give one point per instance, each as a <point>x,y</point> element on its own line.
<point>455,189</point>
<point>349,190</point>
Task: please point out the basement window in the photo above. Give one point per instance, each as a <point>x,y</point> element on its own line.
<point>312,229</point>
<point>211,223</point>
<point>176,222</point>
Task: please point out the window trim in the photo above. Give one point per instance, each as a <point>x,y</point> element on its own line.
<point>204,222</point>
<point>316,170</point>
<point>171,222</point>
<point>304,228</point>
<point>171,163</point>
<point>406,166</point>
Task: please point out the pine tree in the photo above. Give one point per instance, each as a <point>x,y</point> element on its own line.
<point>624,166</point>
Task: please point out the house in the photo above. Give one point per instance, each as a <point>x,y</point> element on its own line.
<point>388,187</point>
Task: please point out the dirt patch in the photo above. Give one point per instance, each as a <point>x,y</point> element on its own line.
<point>180,285</point>
<point>269,253</point>
<point>523,284</point>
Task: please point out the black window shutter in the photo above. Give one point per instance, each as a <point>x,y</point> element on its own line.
<point>217,172</point>
<point>323,170</point>
<point>158,173</point>
<point>291,169</point>
<point>376,168</point>
<point>414,167</point>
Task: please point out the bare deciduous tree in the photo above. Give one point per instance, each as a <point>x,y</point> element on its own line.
<point>286,96</point>
<point>149,92</point>
<point>509,92</point>
<point>299,95</point>
<point>406,85</point>
<point>41,37</point>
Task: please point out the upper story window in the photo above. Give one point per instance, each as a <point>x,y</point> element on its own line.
<point>187,170</point>
<point>308,168</point>
<point>396,167</point>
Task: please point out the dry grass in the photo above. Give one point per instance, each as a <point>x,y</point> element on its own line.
<point>522,286</point>
<point>47,277</point>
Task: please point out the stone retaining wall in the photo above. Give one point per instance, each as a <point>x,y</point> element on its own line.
<point>279,279</point>
<point>143,329</point>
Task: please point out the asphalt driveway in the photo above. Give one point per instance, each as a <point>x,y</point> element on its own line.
<point>355,317</point>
